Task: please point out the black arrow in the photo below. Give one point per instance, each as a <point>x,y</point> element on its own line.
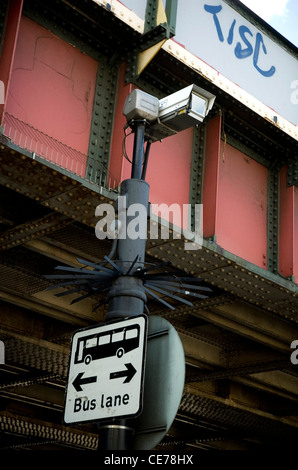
<point>78,381</point>
<point>128,373</point>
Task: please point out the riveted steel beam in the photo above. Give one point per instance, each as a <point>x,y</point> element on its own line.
<point>45,304</point>
<point>252,323</point>
<point>292,179</point>
<point>32,229</point>
<point>53,187</point>
<point>197,170</point>
<point>39,355</point>
<point>94,29</point>
<point>26,380</point>
<point>159,25</point>
<point>272,221</point>
<point>171,12</point>
<point>57,434</point>
<point>249,420</point>
<point>102,125</point>
<point>239,371</point>
<point>273,215</point>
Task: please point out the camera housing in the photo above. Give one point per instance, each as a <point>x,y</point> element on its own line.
<point>170,115</point>
<point>141,105</point>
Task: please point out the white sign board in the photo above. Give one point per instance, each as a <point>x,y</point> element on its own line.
<point>238,49</point>
<point>106,369</point>
<point>216,33</point>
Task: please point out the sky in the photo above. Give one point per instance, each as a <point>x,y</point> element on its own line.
<point>282,15</point>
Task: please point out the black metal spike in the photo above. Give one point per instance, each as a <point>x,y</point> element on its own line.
<point>153,268</point>
<point>68,292</point>
<point>81,298</point>
<point>158,298</point>
<point>113,264</point>
<point>168,294</point>
<point>183,291</point>
<point>169,282</point>
<point>89,263</point>
<point>132,265</point>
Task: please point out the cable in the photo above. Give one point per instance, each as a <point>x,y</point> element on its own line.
<point>124,146</point>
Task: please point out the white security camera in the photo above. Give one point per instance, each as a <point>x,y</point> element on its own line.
<point>141,105</point>
<point>182,110</point>
<point>172,114</point>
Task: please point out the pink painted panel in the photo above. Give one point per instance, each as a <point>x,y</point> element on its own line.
<point>52,86</point>
<point>242,206</point>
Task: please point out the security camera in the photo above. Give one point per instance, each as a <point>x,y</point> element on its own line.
<point>181,110</point>
<point>141,105</point>
<point>172,114</point>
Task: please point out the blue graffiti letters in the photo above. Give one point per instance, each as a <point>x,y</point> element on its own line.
<point>259,40</point>
<point>214,10</point>
<point>242,53</point>
<point>248,45</point>
<point>231,33</point>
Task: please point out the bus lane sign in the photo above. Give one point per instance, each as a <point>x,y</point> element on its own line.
<point>106,371</point>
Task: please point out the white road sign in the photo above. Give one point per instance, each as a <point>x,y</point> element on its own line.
<point>106,369</point>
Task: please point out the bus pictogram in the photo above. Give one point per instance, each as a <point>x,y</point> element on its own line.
<point>107,344</point>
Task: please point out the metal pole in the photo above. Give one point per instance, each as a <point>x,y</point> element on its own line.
<point>138,150</point>
<point>127,296</point>
<point>115,436</point>
<point>146,160</point>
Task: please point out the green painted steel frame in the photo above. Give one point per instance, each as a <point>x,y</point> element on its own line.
<point>292,179</point>
<point>153,34</point>
<point>273,219</point>
<point>197,170</point>
<point>171,12</point>
<point>151,15</point>
<point>102,124</point>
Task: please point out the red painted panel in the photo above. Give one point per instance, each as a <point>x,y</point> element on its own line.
<point>8,47</point>
<point>242,206</point>
<point>169,167</point>
<point>52,86</point>
<point>286,226</point>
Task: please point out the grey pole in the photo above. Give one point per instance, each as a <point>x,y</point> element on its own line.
<point>138,151</point>
<point>127,296</point>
